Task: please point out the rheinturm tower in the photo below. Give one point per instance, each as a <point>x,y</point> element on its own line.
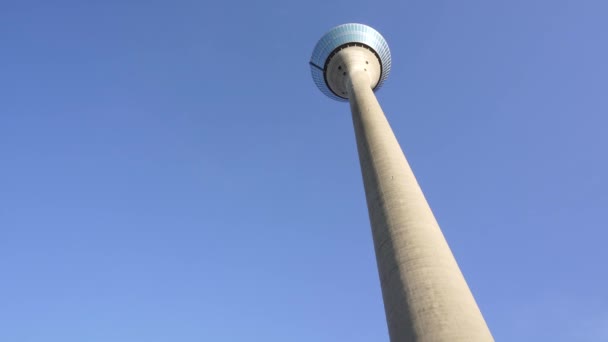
<point>426,298</point>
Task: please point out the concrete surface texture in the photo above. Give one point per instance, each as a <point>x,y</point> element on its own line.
<point>426,297</point>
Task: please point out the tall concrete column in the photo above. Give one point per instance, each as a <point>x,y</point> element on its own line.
<point>426,297</point>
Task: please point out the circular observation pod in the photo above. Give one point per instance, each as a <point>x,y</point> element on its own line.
<point>326,63</point>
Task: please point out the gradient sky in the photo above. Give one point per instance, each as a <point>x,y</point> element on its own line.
<point>169,171</point>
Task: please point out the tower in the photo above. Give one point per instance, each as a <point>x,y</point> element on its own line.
<point>426,298</point>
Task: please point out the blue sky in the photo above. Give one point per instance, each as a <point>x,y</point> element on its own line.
<point>169,171</point>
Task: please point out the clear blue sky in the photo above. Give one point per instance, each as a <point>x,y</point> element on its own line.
<point>169,171</point>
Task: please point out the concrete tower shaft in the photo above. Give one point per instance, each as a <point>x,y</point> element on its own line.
<point>426,298</point>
